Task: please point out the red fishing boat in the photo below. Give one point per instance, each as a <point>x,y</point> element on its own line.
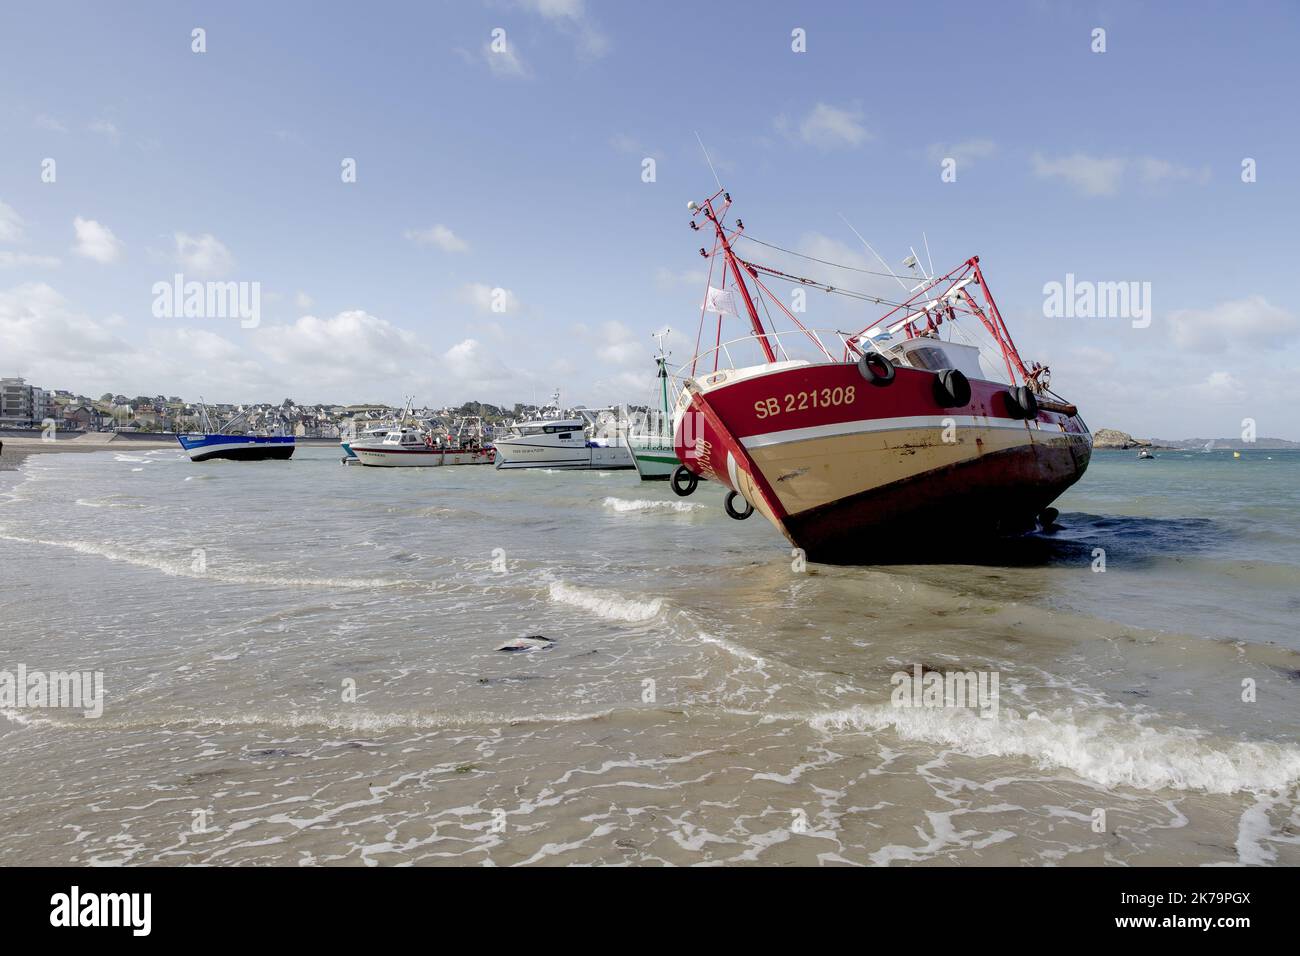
<point>905,437</point>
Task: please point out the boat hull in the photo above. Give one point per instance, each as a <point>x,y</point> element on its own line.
<point>237,447</point>
<point>872,474</point>
<point>654,462</point>
<point>513,455</point>
<point>420,457</point>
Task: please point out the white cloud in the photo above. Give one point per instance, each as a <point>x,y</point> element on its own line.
<point>106,128</point>
<point>1252,320</point>
<point>668,280</point>
<point>505,62</point>
<point>369,348</point>
<point>95,241</point>
<point>1090,175</point>
<point>302,300</point>
<point>1220,386</point>
<point>203,257</point>
<point>50,123</point>
<point>21,260</point>
<point>483,297</point>
<point>965,153</point>
<point>440,236</point>
<point>472,366</point>
<point>616,345</point>
<point>353,356</point>
<point>1103,176</point>
<point>34,315</point>
<point>570,16</point>
<point>11,224</point>
<point>829,127</point>
<point>1153,170</point>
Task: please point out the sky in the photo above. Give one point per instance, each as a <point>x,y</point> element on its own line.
<point>500,238</point>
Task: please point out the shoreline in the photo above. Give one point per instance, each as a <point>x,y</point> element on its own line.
<point>14,451</point>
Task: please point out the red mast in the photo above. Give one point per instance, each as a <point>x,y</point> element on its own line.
<point>732,262</point>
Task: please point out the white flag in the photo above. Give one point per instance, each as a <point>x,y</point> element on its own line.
<point>721,301</point>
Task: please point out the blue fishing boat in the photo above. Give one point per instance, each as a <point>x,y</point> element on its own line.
<point>222,443</point>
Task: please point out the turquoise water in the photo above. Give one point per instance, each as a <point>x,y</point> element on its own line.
<point>1201,543</point>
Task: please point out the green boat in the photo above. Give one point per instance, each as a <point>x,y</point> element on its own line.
<point>652,449</point>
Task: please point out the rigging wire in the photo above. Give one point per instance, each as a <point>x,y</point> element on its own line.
<point>825,262</point>
<point>826,287</point>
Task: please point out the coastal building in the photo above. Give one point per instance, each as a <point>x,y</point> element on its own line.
<point>15,403</point>
<point>42,406</point>
<point>81,418</point>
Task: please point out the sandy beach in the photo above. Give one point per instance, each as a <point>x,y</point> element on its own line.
<point>14,451</point>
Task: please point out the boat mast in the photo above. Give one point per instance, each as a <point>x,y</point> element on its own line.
<point>734,264</point>
<point>662,361</point>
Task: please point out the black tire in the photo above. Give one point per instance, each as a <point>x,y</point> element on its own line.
<point>875,368</point>
<point>1022,402</point>
<point>951,388</point>
<point>730,507</point>
<point>684,482</point>
<point>1047,518</point>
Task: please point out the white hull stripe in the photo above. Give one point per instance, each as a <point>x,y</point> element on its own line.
<point>899,424</point>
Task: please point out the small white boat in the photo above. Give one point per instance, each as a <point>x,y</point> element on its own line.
<point>370,435</point>
<point>570,443</point>
<point>421,448</point>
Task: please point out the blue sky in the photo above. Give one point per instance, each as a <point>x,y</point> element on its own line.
<point>522,172</point>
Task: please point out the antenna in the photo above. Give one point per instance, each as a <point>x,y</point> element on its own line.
<point>877,255</point>
<point>659,340</point>
<point>927,252</point>
<point>707,160</point>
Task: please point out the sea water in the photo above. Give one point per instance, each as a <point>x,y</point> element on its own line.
<point>300,665</point>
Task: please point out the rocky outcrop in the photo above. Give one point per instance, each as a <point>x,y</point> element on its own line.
<point>1112,438</point>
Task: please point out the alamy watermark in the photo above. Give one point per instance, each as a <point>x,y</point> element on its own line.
<point>933,689</point>
<point>21,689</point>
<point>208,300</point>
<point>1082,299</point>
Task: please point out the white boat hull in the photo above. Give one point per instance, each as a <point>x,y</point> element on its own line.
<point>419,458</point>
<point>655,461</point>
<point>520,454</point>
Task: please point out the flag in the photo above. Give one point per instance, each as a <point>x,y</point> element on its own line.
<point>721,301</point>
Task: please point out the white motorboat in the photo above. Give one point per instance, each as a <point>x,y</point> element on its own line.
<point>373,434</point>
<point>570,442</point>
<point>410,447</point>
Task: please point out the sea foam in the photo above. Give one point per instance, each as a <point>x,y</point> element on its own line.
<point>612,607</point>
<point>1109,751</point>
<point>646,505</point>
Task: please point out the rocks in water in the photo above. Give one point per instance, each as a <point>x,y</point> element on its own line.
<point>1114,438</point>
<point>532,643</point>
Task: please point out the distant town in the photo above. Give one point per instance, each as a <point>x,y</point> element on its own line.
<point>23,405</point>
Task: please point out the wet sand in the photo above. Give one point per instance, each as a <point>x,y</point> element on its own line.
<point>14,451</point>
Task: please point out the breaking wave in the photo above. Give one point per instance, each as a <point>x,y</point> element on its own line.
<point>647,505</point>
<point>1106,750</point>
<point>612,607</point>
